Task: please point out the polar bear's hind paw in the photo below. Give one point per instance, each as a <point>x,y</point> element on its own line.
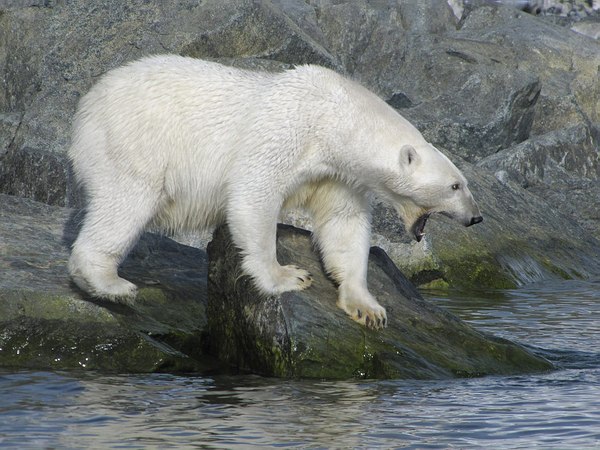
<point>292,278</point>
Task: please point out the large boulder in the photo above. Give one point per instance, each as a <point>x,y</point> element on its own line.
<point>562,166</point>
<point>304,334</point>
<point>565,62</point>
<point>476,106</point>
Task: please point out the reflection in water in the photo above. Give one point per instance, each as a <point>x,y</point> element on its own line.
<point>553,410</point>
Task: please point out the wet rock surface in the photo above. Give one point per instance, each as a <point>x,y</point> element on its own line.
<point>47,323</point>
<point>304,334</point>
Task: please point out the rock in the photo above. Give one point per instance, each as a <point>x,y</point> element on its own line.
<point>551,158</point>
<point>563,167</point>
<point>40,175</point>
<point>371,40</point>
<point>304,334</point>
<point>8,127</point>
<point>566,63</point>
<point>47,324</point>
<point>589,28</point>
<point>574,9</point>
<point>502,76</point>
<point>501,99</point>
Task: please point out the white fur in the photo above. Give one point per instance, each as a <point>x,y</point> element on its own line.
<point>184,144</point>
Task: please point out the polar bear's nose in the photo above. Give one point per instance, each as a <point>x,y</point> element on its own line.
<point>475,220</point>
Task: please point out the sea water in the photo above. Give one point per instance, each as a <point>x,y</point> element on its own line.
<point>555,410</point>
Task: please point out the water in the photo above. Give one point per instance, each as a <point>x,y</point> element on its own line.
<point>560,409</point>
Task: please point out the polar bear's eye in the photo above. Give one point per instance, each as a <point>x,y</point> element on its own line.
<point>455,187</point>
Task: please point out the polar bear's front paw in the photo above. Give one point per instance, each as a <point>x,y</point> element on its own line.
<point>363,308</point>
<point>115,289</point>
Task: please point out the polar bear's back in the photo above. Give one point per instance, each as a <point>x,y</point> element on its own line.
<point>165,105</point>
<point>186,130</point>
<point>169,123</point>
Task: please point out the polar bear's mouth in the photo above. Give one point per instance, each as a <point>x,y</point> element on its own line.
<point>418,227</point>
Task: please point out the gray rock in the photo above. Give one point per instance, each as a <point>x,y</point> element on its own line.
<point>562,167</point>
<point>550,159</point>
<point>589,28</point>
<point>8,127</point>
<point>47,324</point>
<point>476,106</point>
<point>304,334</point>
<point>565,62</point>
<point>574,9</point>
<point>501,76</point>
<point>371,39</point>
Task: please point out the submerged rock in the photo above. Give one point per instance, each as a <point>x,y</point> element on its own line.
<point>304,334</point>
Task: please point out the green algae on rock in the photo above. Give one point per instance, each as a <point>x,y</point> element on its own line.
<point>304,334</point>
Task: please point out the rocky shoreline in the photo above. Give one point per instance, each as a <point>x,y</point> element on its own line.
<point>194,314</point>
<point>512,97</point>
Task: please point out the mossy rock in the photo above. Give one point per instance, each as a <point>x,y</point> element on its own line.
<point>304,334</point>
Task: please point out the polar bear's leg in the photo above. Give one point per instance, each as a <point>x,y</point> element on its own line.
<point>110,229</point>
<point>342,233</point>
<point>253,228</point>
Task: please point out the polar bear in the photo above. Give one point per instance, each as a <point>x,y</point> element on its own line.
<point>179,144</point>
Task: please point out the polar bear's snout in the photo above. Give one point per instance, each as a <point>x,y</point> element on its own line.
<point>475,220</point>
<point>474,216</point>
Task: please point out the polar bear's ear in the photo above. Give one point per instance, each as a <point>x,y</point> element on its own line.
<point>408,155</point>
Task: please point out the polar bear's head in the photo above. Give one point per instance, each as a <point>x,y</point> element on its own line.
<point>377,148</point>
<point>426,182</point>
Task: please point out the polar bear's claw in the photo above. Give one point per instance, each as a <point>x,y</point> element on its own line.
<point>373,320</point>
<point>118,290</point>
<point>292,278</point>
